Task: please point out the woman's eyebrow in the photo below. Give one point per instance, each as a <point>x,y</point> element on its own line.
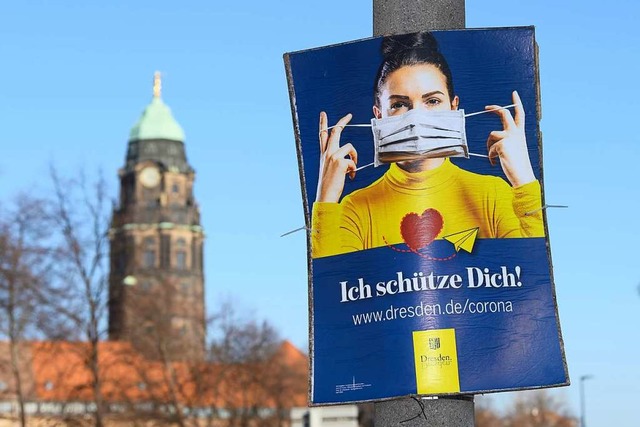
<point>435,92</point>
<point>402,97</point>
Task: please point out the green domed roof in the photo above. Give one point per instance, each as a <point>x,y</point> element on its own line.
<point>156,122</point>
<point>157,137</point>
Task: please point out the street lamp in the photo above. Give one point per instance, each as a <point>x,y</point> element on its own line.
<point>583,420</point>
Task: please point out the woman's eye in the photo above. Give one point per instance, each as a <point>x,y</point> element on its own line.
<point>398,105</point>
<point>433,102</point>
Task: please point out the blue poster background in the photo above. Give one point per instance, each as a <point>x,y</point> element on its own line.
<point>497,350</point>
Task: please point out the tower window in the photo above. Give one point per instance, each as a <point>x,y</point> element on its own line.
<point>181,255</point>
<point>149,259</point>
<point>194,255</point>
<point>175,188</point>
<point>150,148</point>
<point>121,263</point>
<point>149,252</point>
<point>181,260</point>
<point>165,251</point>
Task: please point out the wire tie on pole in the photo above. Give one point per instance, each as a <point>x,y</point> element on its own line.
<point>545,207</point>
<point>304,227</point>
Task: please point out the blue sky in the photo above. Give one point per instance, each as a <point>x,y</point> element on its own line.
<point>75,77</point>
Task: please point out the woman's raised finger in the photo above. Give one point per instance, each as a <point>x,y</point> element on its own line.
<point>334,137</point>
<point>347,151</point>
<point>323,132</point>
<point>519,109</point>
<point>494,137</point>
<point>504,114</point>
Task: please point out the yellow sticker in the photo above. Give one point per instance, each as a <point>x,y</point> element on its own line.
<point>436,360</point>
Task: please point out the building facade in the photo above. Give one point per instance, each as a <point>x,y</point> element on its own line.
<point>156,280</point>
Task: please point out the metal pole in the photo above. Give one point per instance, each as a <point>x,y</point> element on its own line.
<point>583,416</point>
<point>582,423</point>
<point>399,17</point>
<point>410,16</point>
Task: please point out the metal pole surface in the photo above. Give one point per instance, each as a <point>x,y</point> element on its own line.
<point>582,422</point>
<point>410,16</point>
<point>400,17</point>
<point>583,414</point>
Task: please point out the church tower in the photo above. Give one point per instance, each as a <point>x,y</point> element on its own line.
<point>156,281</point>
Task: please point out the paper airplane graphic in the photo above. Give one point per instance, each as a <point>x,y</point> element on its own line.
<point>463,239</point>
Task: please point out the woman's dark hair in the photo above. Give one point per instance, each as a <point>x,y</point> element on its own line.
<point>410,49</point>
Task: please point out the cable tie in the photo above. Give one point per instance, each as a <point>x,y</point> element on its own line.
<point>304,227</point>
<point>545,207</point>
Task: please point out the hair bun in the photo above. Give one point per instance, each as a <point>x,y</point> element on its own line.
<point>392,45</point>
<point>406,50</point>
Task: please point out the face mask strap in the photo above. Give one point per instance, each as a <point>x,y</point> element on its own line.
<point>368,125</point>
<point>363,125</point>
<point>488,111</point>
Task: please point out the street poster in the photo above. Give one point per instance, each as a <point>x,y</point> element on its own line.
<point>430,271</point>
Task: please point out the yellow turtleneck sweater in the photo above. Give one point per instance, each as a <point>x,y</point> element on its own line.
<point>371,217</point>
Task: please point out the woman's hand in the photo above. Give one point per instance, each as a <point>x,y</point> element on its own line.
<point>510,144</point>
<point>335,161</point>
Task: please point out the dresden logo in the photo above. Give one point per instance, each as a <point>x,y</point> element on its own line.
<point>434,343</point>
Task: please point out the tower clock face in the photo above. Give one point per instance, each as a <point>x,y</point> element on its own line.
<point>150,177</point>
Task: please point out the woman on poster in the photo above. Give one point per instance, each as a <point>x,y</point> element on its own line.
<point>444,198</point>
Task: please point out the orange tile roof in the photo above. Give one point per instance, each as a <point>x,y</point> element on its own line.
<point>62,372</point>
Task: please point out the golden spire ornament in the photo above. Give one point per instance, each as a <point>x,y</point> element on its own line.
<point>157,84</point>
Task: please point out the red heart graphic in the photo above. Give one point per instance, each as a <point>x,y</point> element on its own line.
<point>418,231</point>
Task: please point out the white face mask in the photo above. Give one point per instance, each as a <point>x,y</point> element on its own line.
<point>419,134</point>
